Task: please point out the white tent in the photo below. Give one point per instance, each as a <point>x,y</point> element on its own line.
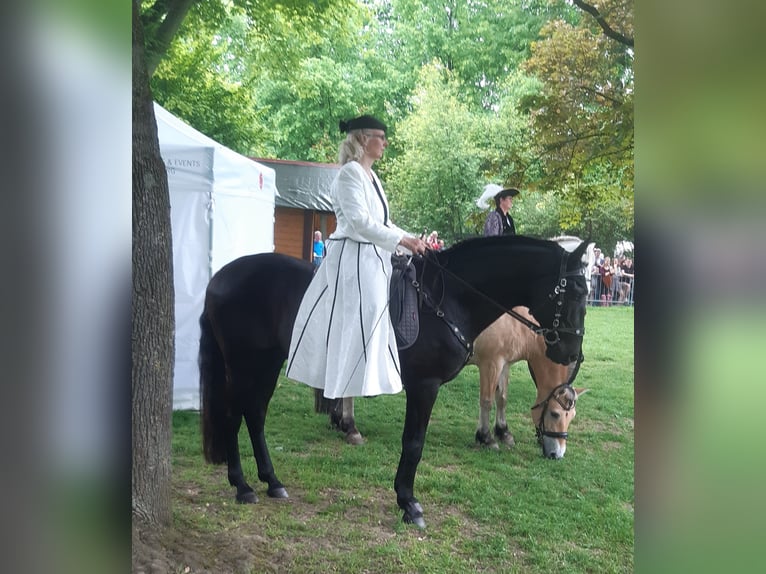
<point>222,207</point>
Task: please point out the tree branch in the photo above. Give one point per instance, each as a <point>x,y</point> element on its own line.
<point>601,94</point>
<point>608,30</point>
<point>166,31</point>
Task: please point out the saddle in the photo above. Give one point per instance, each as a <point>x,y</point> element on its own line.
<point>403,301</point>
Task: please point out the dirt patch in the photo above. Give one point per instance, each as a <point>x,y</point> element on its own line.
<point>171,551</point>
<point>225,545</point>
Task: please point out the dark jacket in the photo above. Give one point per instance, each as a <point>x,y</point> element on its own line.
<point>499,224</point>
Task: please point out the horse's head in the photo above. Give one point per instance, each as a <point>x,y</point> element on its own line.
<point>562,313</point>
<point>552,415</point>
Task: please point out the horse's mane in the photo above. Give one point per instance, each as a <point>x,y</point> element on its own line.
<point>472,243</point>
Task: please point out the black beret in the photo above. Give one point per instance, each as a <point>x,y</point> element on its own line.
<point>362,123</point>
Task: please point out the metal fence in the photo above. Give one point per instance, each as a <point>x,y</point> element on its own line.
<point>618,291</point>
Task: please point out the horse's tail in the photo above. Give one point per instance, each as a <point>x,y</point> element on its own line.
<point>212,385</point>
<point>322,404</point>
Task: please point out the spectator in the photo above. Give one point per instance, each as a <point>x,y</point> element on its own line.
<point>599,256</point>
<point>606,272</point>
<point>626,280</point>
<point>318,251</point>
<point>433,240</point>
<point>595,275</point>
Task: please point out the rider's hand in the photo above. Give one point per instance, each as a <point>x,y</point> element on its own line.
<point>417,246</point>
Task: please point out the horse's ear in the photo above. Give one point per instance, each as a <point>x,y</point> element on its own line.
<point>577,254</point>
<point>581,392</point>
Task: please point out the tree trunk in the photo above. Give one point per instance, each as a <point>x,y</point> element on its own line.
<point>153,312</point>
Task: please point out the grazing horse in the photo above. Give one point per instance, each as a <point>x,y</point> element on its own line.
<point>251,305</point>
<point>507,341</point>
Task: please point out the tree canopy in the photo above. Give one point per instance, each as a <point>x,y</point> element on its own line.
<point>537,94</point>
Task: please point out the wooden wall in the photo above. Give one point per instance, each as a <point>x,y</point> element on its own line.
<point>294,230</point>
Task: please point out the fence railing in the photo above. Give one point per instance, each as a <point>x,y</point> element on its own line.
<point>617,291</point>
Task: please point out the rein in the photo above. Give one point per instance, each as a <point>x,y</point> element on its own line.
<point>425,297</point>
<point>540,427</point>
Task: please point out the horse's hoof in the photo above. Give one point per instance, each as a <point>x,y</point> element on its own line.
<point>487,443</point>
<point>414,515</point>
<point>417,521</point>
<point>280,492</point>
<point>354,438</point>
<point>508,440</point>
<point>247,498</point>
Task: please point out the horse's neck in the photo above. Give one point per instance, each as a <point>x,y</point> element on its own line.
<point>508,338</point>
<point>487,288</point>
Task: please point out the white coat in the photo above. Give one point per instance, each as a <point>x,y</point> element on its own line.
<point>343,340</point>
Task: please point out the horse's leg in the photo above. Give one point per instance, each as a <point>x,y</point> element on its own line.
<point>245,493</point>
<point>348,424</point>
<point>221,411</point>
<point>488,381</point>
<point>342,419</point>
<point>267,365</point>
<point>501,401</point>
<point>335,411</point>
<point>421,397</point>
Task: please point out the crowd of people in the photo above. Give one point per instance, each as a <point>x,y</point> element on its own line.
<point>433,241</point>
<point>612,280</point>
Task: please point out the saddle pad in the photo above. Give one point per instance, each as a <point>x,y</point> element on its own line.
<point>403,302</point>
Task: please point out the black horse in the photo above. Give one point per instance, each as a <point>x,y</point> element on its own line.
<point>251,305</point>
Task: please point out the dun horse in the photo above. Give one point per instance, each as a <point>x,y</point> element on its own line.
<point>252,302</point>
<point>507,341</point>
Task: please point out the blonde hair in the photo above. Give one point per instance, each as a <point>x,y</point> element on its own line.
<point>352,148</point>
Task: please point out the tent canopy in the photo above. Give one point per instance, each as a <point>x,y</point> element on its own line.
<point>222,207</point>
<point>303,184</point>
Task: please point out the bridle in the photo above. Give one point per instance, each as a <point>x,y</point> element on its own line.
<point>540,427</point>
<point>551,334</point>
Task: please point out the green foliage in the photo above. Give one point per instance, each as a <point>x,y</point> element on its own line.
<point>197,82</point>
<point>539,215</point>
<point>433,182</point>
<point>528,94</point>
<point>487,511</point>
<point>211,73</point>
<point>583,117</point>
<point>510,146</point>
<point>598,208</point>
<point>480,43</point>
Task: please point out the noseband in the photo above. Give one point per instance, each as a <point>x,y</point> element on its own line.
<point>540,427</point>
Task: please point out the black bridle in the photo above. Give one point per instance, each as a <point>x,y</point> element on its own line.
<point>540,426</point>
<point>551,334</point>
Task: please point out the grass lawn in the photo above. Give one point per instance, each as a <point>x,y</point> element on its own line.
<point>487,511</point>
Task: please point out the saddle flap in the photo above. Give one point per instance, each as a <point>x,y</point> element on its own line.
<point>403,302</point>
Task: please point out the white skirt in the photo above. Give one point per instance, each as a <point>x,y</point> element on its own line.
<point>343,340</point>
